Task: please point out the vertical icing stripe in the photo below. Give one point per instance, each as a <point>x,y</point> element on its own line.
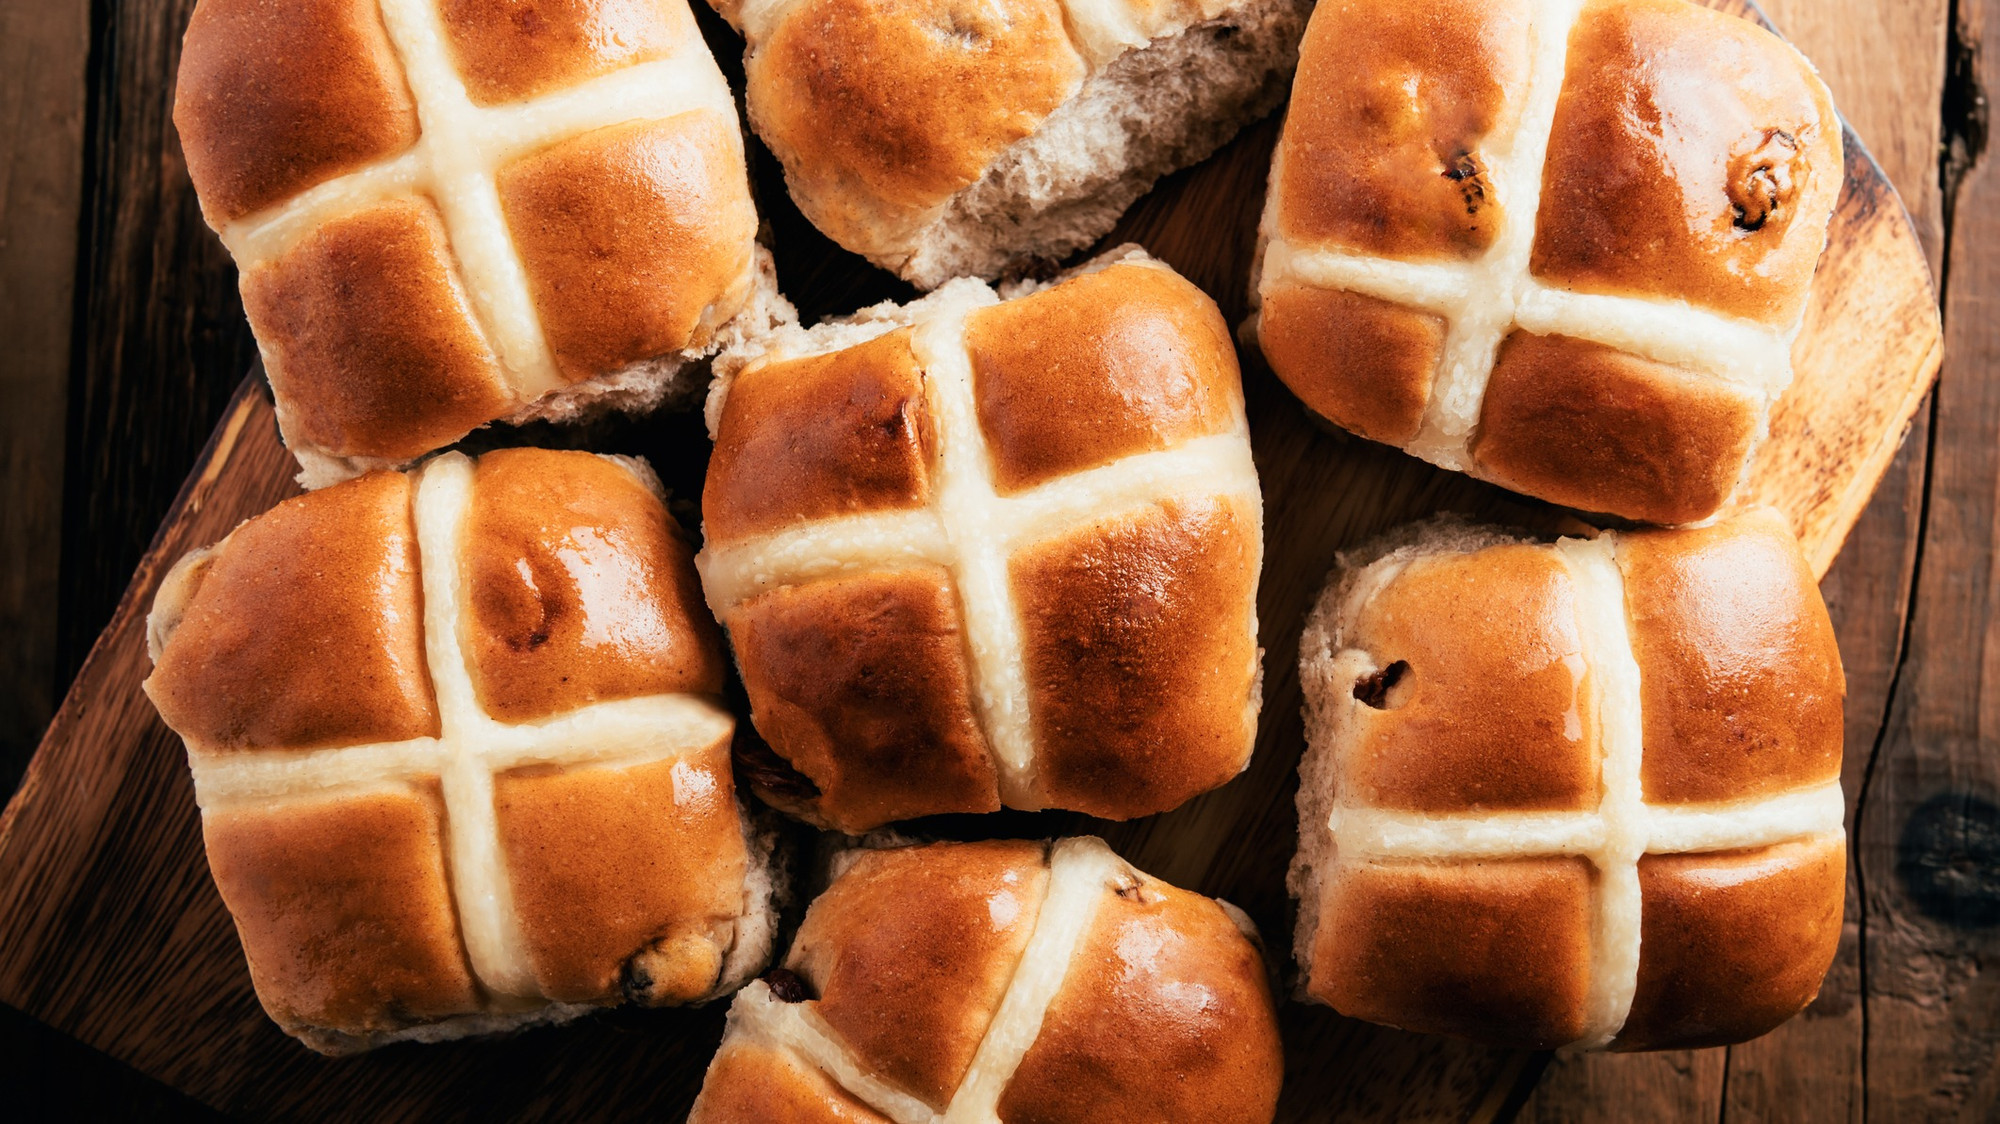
<point>479,880</point>
<point>1614,975</point>
<point>969,508</point>
<point>1081,872</point>
<point>1473,339</point>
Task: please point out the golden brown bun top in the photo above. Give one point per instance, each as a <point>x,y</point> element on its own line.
<point>580,588</point>
<point>1740,678</point>
<point>276,97</point>
<point>1712,680</point>
<point>304,628</point>
<point>1125,360</point>
<point>1055,980</point>
<point>837,434</point>
<point>1165,1015</point>
<point>1003,552</point>
<point>445,211</point>
<point>1491,706</point>
<point>1575,240</point>
<point>1371,165</point>
<point>513,49</point>
<point>1692,156</point>
<point>1128,359</point>
<point>911,988</point>
<point>906,101</point>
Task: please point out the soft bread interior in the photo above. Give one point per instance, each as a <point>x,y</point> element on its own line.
<point>1152,110</point>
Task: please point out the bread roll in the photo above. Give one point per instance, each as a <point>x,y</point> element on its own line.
<point>451,212</point>
<point>974,552</point>
<point>1563,246</point>
<point>1004,981</point>
<point>459,751</point>
<point>1582,794</point>
<point>949,138</point>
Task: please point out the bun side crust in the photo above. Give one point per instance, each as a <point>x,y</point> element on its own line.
<point>258,124</point>
<point>1740,675</point>
<point>1104,1046</point>
<point>911,990</point>
<point>1129,359</point>
<point>508,50</point>
<point>1734,943</point>
<point>1694,156</point>
<point>1600,430</point>
<point>1370,165</point>
<point>303,631</point>
<point>1364,364</point>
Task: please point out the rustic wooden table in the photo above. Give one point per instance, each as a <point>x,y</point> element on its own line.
<point>123,340</point>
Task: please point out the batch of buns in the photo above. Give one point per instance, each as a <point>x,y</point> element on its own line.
<point>458,724</point>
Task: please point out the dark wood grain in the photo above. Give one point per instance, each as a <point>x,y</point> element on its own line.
<point>41,176</point>
<point>111,932</point>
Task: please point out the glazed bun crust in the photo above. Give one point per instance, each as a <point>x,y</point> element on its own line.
<point>1495,712</point>
<point>1361,363</point>
<point>1563,246</point>
<point>580,588</point>
<point>974,551</point>
<point>460,753</point>
<point>1107,365</point>
<point>1739,673</point>
<point>1371,167</point>
<point>390,369</point>
<point>833,90</point>
<point>1005,980</point>
<point>1497,951</point>
<point>1644,851</point>
<point>1596,428</point>
<point>448,213</point>
<point>304,631</point>
<point>511,50</point>
<point>239,105</point>
<point>1657,185</point>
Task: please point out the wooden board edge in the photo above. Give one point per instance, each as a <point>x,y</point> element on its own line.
<point>135,602</point>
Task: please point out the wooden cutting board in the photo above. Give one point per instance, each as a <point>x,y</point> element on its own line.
<point>111,931</point>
